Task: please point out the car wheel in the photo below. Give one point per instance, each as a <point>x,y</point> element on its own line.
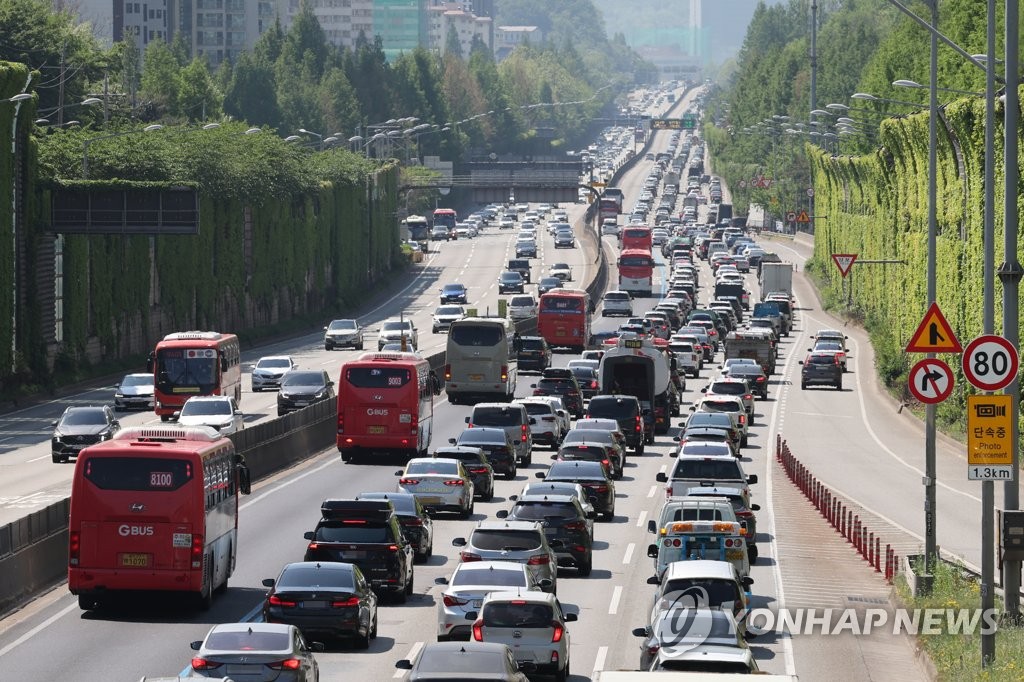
<point>467,511</point>
<point>490,494</point>
<point>639,450</point>
<point>528,460</point>
<point>586,567</point>
<point>751,418</point>
<point>752,553</point>
<point>839,385</point>
<point>257,390</point>
<point>326,347</point>
<point>511,474</point>
<point>165,417</point>
<point>362,641</point>
<point>743,442</point>
<point>59,459</point>
<point>409,584</point>
<point>803,385</point>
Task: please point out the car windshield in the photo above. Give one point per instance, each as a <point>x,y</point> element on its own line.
<point>312,577</point>
<point>403,503</point>
<point>353,533</point>
<point>821,360</point>
<point>194,408</point>
<point>539,511</point>
<point>718,591</point>
<point>452,663</point>
<point>827,345</point>
<point>273,363</point>
<point>455,288</point>
<point>343,324</point>
<point>728,388</point>
<point>532,344</point>
<point>248,640</point>
<point>579,435</point>
<point>462,456</point>
<point>396,326</point>
<point>537,408</point>
<point>521,302</point>
<point>477,334</point>
<point>503,577</point>
<point>439,467</point>
<point>448,310</point>
<point>303,379</point>
<point>572,471</point>
<point>85,417</point>
<point>500,539</point>
<point>377,377</point>
<point>137,380</point>
<point>720,406</point>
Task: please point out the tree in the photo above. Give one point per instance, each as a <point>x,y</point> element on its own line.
<point>198,98</point>
<point>268,47</point>
<point>338,102</point>
<point>306,37</point>
<point>452,44</point>
<point>161,78</point>
<point>252,94</point>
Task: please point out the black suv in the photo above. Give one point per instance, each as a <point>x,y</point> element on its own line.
<point>624,409</point>
<point>561,382</point>
<point>821,368</point>
<point>594,478</point>
<point>301,388</point>
<point>534,354</point>
<point>477,465</point>
<point>496,444</point>
<point>522,266</point>
<point>569,529</point>
<point>365,533</point>
<point>412,517</point>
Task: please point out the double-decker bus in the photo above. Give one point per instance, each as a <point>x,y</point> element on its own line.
<point>447,217</point>
<point>636,237</point>
<point>636,271</point>
<point>563,318</point>
<point>385,405</point>
<point>155,509</point>
<point>185,364</point>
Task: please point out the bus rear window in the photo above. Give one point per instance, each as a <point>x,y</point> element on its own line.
<point>476,334</point>
<point>138,473</point>
<point>636,261</point>
<point>561,304</point>
<point>377,377</point>
<point>636,234</point>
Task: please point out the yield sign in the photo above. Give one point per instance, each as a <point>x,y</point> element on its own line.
<point>844,261</point>
<point>934,335</point>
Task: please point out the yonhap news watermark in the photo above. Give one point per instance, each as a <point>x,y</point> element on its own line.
<point>868,621</point>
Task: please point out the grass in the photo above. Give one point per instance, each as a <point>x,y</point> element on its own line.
<point>958,656</point>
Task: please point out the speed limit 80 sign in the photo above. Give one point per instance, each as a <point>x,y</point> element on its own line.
<point>990,362</point>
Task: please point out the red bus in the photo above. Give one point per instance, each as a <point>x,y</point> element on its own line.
<point>155,509</point>
<point>185,364</point>
<point>563,318</point>
<point>608,208</point>
<point>385,404</point>
<point>636,271</point>
<point>637,237</point>
<point>447,217</point>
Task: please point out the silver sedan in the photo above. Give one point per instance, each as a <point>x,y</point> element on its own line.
<point>440,484</point>
<point>259,652</point>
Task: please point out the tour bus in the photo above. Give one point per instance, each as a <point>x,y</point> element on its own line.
<point>385,405</point>
<point>185,364</point>
<point>636,271</point>
<point>563,318</point>
<point>636,237</point>
<point>155,509</point>
<point>447,217</point>
<point>419,228</point>
<point>479,362</point>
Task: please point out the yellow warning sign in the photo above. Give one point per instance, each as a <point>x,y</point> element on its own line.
<point>934,335</point>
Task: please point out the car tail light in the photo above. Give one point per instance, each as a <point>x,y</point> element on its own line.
<point>275,600</point>
<point>598,488</point>
<point>747,396</point>
<point>479,470</point>
<point>447,372</point>
<point>203,664</point>
<point>606,462</point>
<point>524,432</point>
<point>74,547</point>
<point>478,631</point>
<point>450,600</point>
<point>654,649</point>
<point>286,664</point>
<point>576,525</point>
<point>639,424</point>
<point>540,560</point>
<point>408,481</point>
<point>760,379</point>
<point>559,630</point>
<point>312,547</point>
<point>469,556</point>
<point>593,384</point>
<point>414,521</point>
<point>392,548</point>
<point>744,514</point>
<point>455,482</point>
<point>197,550</point>
<point>344,603</point>
<point>743,419</point>
<point>668,491</point>
<point>504,373</point>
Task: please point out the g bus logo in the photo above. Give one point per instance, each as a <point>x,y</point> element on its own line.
<point>124,530</point>
<point>687,622</point>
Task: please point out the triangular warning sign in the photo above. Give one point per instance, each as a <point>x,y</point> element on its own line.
<point>803,217</point>
<point>844,261</point>
<point>934,335</point>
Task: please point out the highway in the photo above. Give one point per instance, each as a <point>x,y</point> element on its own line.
<point>830,431</point>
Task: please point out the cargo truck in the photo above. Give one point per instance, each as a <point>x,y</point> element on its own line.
<point>776,277</point>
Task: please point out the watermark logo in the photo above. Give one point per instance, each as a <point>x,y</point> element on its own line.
<point>849,621</point>
<point>686,622</point>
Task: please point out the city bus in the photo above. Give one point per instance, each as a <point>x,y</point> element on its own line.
<point>563,318</point>
<point>418,227</point>
<point>636,271</point>
<point>385,405</point>
<point>636,237</point>
<point>185,364</point>
<point>447,217</point>
<point>155,509</point>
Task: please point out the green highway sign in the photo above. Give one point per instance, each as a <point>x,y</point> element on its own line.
<point>687,122</point>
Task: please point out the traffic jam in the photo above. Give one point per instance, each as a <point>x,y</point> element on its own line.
<point>670,363</point>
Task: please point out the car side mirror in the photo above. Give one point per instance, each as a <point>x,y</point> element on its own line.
<point>533,421</point>
<point>404,664</point>
<point>591,515</point>
<point>268,582</point>
<point>570,617</point>
<point>661,477</point>
<point>652,527</point>
<point>755,507</point>
<point>653,580</point>
<point>459,542</point>
<point>452,441</point>
<point>539,474</point>
<point>502,514</point>
<point>441,580</point>
<point>554,456</point>
<point>467,419</point>
<point>196,645</point>
<point>641,632</point>
<point>399,472</point>
<point>752,479</point>
<point>800,362</point>
<point>674,453</point>
<point>325,328</point>
<point>317,647</point>
<point>652,551</point>
<point>746,581</point>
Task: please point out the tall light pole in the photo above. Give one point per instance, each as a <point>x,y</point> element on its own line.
<point>930,545</point>
<point>16,100</point>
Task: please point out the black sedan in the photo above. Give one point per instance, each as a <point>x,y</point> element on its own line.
<point>454,293</point>
<point>417,526</point>
<point>301,388</point>
<point>586,377</point>
<point>594,478</point>
<point>80,427</point>
<point>327,598</point>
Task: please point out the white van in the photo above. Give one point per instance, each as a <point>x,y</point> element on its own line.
<point>479,362</point>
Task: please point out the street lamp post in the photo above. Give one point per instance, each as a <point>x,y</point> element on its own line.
<point>16,100</point>
<point>87,143</point>
<point>318,136</point>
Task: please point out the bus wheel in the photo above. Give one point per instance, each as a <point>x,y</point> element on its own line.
<point>205,601</point>
<point>88,603</point>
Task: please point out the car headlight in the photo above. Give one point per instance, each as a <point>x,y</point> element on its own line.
<point>119,395</point>
<point>320,395</point>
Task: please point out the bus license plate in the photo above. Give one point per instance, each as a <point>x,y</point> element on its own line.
<point>734,554</point>
<point>476,377</point>
<point>137,560</point>
<point>376,430</point>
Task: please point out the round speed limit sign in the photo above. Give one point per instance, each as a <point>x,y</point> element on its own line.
<point>990,362</point>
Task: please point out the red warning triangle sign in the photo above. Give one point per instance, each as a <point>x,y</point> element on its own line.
<point>844,261</point>
<point>803,217</point>
<point>934,335</point>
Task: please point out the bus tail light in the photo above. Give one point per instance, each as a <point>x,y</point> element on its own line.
<point>74,547</point>
<point>277,601</point>
<point>197,550</point>
<point>504,373</point>
<point>447,372</point>
<point>341,422</point>
<point>203,664</point>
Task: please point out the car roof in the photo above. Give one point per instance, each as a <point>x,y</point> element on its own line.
<point>533,596</point>
<point>699,568</point>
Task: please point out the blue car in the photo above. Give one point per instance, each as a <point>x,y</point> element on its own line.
<point>453,293</point>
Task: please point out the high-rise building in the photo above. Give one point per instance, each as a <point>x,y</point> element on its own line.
<point>222,29</point>
<point>401,24</point>
<point>457,16</point>
<point>113,21</point>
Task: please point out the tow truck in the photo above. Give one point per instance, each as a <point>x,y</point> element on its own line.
<point>714,540</point>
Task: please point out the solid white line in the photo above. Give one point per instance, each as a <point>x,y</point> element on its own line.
<point>616,596</point>
<point>653,491</point>
<point>413,653</point>
<point>36,459</point>
<point>629,553</point>
<point>640,520</point>
<point>602,653</point>
<point>39,628</point>
<point>268,493</point>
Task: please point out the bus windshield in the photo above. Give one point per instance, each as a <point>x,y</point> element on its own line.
<point>377,377</point>
<point>175,367</point>
<point>143,474</point>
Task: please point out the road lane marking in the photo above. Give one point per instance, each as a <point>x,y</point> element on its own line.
<point>640,520</point>
<point>602,653</point>
<point>287,483</point>
<point>36,459</point>
<point>616,596</point>
<point>39,628</point>
<point>663,469</point>
<point>413,653</point>
<point>653,491</point>
<point>629,553</point>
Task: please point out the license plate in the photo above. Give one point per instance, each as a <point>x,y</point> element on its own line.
<point>477,603</point>
<point>136,560</point>
<point>734,554</point>
<point>376,430</point>
<point>427,499</point>
<point>301,403</point>
<point>476,377</point>
<point>314,604</point>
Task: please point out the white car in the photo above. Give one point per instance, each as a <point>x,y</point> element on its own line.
<point>439,483</point>
<point>617,303</point>
<point>444,316</point>
<point>466,589</point>
<point>610,228</point>
<point>392,331</point>
<point>218,411</point>
<point>562,271</point>
<point>521,307</point>
<point>532,623</point>
<point>268,371</point>
<point>557,404</point>
<point>545,425</point>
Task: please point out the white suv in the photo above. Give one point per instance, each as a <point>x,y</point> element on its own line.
<point>532,623</point>
<point>392,331</point>
<point>617,303</point>
<point>521,307</point>
<point>219,411</point>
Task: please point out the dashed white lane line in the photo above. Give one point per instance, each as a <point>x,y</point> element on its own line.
<point>413,653</point>
<point>602,653</point>
<point>613,607</point>
<point>653,491</point>
<point>629,553</point>
<point>640,519</point>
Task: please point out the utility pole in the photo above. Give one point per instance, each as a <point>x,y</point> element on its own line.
<point>60,89</point>
<point>814,100</point>
<point>106,99</point>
